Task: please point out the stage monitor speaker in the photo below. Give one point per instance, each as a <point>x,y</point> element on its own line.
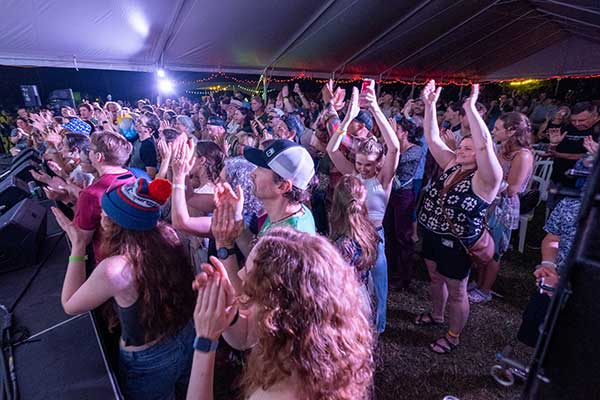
<point>12,191</point>
<point>21,171</point>
<point>26,154</point>
<point>61,98</point>
<point>22,232</point>
<point>31,97</point>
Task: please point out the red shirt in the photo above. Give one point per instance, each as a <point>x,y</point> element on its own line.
<point>88,211</point>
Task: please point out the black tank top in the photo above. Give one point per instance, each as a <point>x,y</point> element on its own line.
<point>132,331</point>
<point>460,204</point>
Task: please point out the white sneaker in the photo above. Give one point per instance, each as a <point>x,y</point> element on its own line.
<point>471,286</point>
<point>478,296</point>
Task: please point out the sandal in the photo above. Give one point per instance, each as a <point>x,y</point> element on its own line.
<point>444,344</point>
<point>421,321</point>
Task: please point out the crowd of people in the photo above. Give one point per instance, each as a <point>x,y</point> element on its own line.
<point>279,225</point>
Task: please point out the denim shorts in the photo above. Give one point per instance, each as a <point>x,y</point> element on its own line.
<point>160,371</point>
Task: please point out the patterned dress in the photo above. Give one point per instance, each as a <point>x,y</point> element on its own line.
<point>460,205</point>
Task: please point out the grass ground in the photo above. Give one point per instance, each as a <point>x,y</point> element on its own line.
<point>407,369</point>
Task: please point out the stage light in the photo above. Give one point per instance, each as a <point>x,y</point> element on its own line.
<point>166,86</point>
<point>161,73</point>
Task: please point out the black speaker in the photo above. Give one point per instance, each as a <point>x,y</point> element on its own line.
<point>12,191</point>
<point>22,170</point>
<point>22,232</point>
<point>61,98</point>
<point>31,97</point>
<point>26,154</point>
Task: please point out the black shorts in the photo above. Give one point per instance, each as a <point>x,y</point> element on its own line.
<point>448,253</point>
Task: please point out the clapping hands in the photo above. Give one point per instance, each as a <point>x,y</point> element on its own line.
<point>217,304</point>
<point>430,94</point>
<point>227,222</point>
<point>182,159</point>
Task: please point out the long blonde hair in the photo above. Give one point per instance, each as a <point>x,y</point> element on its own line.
<point>308,326</point>
<point>349,217</point>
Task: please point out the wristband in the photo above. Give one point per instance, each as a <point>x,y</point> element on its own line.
<point>78,258</point>
<point>340,131</point>
<point>205,345</point>
<point>549,263</point>
<point>178,186</point>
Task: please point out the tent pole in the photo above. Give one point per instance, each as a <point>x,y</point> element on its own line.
<point>265,88</point>
<point>502,46</point>
<point>382,35</point>
<point>440,37</point>
<point>578,21</point>
<point>573,6</point>
<point>454,54</point>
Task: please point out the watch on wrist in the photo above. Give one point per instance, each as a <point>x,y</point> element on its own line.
<point>205,345</point>
<point>223,252</point>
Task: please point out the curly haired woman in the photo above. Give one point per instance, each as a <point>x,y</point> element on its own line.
<point>299,316</point>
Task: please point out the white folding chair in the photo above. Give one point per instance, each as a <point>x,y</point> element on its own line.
<point>539,180</point>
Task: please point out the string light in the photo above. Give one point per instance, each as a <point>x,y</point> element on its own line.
<point>525,82</point>
<point>445,82</point>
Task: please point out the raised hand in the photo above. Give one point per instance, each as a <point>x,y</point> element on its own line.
<point>216,304</point>
<point>370,98</point>
<point>472,99</point>
<point>183,159</point>
<point>297,89</point>
<point>285,91</point>
<point>224,226</point>
<point>556,136</point>
<point>224,194</point>
<point>327,91</point>
<point>41,176</point>
<point>338,98</point>
<point>448,138</point>
<point>590,145</point>
<point>353,108</point>
<point>53,137</point>
<point>164,150</point>
<point>57,169</point>
<point>76,235</point>
<point>430,94</point>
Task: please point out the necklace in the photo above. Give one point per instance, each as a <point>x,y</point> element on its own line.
<point>287,216</point>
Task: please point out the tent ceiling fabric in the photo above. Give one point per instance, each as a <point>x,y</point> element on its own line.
<point>413,39</point>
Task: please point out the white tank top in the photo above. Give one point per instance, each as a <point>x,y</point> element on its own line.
<point>377,199</point>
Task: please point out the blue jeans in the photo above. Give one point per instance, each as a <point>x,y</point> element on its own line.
<point>160,371</point>
<point>380,281</point>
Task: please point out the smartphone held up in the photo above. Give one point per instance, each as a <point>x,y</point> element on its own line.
<point>366,84</point>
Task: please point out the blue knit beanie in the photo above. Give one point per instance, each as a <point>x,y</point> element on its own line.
<point>136,206</point>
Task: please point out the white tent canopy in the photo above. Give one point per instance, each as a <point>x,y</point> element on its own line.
<point>411,40</point>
